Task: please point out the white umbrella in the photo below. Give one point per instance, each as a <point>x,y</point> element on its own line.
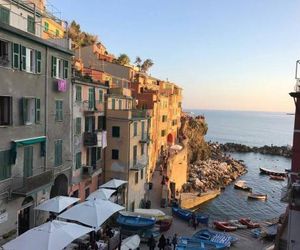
<point>114,183</point>
<point>131,242</point>
<point>102,193</point>
<point>53,235</point>
<point>57,204</point>
<point>176,147</point>
<point>92,212</point>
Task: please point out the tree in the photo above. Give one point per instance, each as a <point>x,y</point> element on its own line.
<point>147,64</point>
<point>123,59</point>
<point>138,62</point>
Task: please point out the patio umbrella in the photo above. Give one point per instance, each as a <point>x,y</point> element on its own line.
<point>114,183</point>
<point>53,235</point>
<point>131,242</point>
<point>92,212</point>
<point>102,193</point>
<point>57,204</point>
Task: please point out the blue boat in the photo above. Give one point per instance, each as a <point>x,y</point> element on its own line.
<point>188,243</point>
<point>215,237</point>
<point>187,215</point>
<point>135,222</point>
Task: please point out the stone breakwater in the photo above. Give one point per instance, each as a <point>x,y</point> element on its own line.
<point>213,173</point>
<point>284,151</point>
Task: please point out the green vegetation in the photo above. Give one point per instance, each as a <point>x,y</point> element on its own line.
<point>80,38</point>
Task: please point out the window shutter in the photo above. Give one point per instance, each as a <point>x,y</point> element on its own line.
<point>53,66</point>
<point>16,56</point>
<point>66,69</point>
<point>23,58</point>
<point>37,110</point>
<point>38,55</point>
<point>24,109</point>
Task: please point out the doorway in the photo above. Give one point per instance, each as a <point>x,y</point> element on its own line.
<point>25,215</point>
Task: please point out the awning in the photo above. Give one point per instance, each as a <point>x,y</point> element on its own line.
<point>25,142</point>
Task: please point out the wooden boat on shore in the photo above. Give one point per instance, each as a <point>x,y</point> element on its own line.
<point>135,222</point>
<point>224,226</point>
<point>254,196</point>
<point>237,224</point>
<point>272,172</point>
<point>215,236</point>
<point>277,178</point>
<point>185,243</point>
<point>242,186</point>
<point>187,215</point>
<point>249,223</point>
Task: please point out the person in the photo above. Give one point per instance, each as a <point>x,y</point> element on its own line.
<point>162,242</point>
<point>151,242</point>
<point>175,241</point>
<point>168,245</point>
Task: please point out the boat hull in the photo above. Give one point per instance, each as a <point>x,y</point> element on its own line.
<point>135,222</point>
<point>216,237</point>
<point>187,215</point>
<point>257,197</point>
<point>272,172</point>
<point>224,226</point>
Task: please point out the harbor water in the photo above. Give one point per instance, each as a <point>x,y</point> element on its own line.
<point>253,129</point>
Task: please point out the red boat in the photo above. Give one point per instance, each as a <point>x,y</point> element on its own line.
<point>224,226</point>
<point>277,178</point>
<point>164,225</point>
<point>248,223</point>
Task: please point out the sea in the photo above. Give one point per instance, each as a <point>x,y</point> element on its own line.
<point>252,129</point>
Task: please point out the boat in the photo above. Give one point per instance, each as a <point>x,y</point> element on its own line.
<point>153,213</point>
<point>187,215</point>
<point>249,223</point>
<point>185,243</point>
<point>132,242</point>
<point>277,178</point>
<point>164,225</point>
<point>256,232</point>
<point>135,222</point>
<point>237,224</point>
<point>215,236</point>
<point>257,196</point>
<point>242,186</point>
<point>272,172</point>
<point>224,226</point>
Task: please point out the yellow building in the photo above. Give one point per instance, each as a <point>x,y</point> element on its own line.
<point>53,28</point>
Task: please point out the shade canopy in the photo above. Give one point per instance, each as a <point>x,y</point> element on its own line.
<point>114,183</point>
<point>102,193</point>
<point>92,212</point>
<point>176,147</point>
<point>132,242</point>
<point>53,235</point>
<point>57,204</point>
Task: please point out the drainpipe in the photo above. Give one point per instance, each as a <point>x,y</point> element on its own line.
<point>128,170</point>
<point>46,107</point>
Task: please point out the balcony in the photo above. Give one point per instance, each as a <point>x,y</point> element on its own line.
<point>140,163</point>
<point>92,139</point>
<point>90,171</point>
<point>90,108</point>
<point>25,185</point>
<point>140,114</point>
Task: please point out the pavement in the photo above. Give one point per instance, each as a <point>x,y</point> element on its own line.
<point>181,228</point>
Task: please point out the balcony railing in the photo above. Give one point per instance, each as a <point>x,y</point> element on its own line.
<point>90,139</point>
<point>92,107</point>
<point>25,185</point>
<point>139,113</point>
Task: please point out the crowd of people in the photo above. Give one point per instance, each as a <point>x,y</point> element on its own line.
<point>163,243</point>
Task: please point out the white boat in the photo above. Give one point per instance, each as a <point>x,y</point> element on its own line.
<point>156,213</point>
<point>132,242</point>
<point>237,224</point>
<point>242,186</point>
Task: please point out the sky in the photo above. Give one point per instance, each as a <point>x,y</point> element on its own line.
<point>225,54</point>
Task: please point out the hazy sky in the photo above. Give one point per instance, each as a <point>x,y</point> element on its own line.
<point>226,54</point>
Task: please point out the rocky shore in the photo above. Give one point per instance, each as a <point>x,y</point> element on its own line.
<point>284,151</point>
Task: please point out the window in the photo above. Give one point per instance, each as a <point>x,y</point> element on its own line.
<point>136,177</point>
<point>78,160</point>
<point>78,126</point>
<point>4,53</point>
<point>30,24</point>
<point>144,135</point>
<point>38,62</point>
<point>58,110</point>
<point>5,165</point>
<point>46,27</point>
<point>142,174</point>
<point>59,68</point>
<point>78,93</point>
<point>91,98</point>
<point>115,154</point>
<point>120,104</point>
<point>89,123</point>
<point>98,154</point>
<point>31,110</point>
<point>113,103</point>
<point>164,118</point>
<point>174,122</point>
<point>31,60</point>
<point>132,206</point>
<point>179,104</point>
<point>5,111</point>
<point>16,56</point>
<point>4,15</point>
<point>135,129</point>
<point>100,96</point>
<point>101,123</point>
<point>135,155</point>
<point>163,133</point>
<point>115,131</point>
<point>142,149</point>
<point>28,161</point>
<point>57,32</point>
<point>58,153</point>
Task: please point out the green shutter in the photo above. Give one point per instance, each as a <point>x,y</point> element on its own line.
<point>53,66</point>
<point>58,153</point>
<point>38,55</point>
<point>58,110</point>
<point>37,110</point>
<point>16,55</point>
<point>4,15</point>
<point>24,108</point>
<point>78,126</point>
<point>100,96</point>
<point>5,165</point>
<point>78,93</point>
<point>66,69</point>
<point>23,58</point>
<point>91,98</point>
<point>30,24</point>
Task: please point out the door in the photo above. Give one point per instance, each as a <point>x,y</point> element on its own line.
<point>25,216</point>
<point>173,189</point>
